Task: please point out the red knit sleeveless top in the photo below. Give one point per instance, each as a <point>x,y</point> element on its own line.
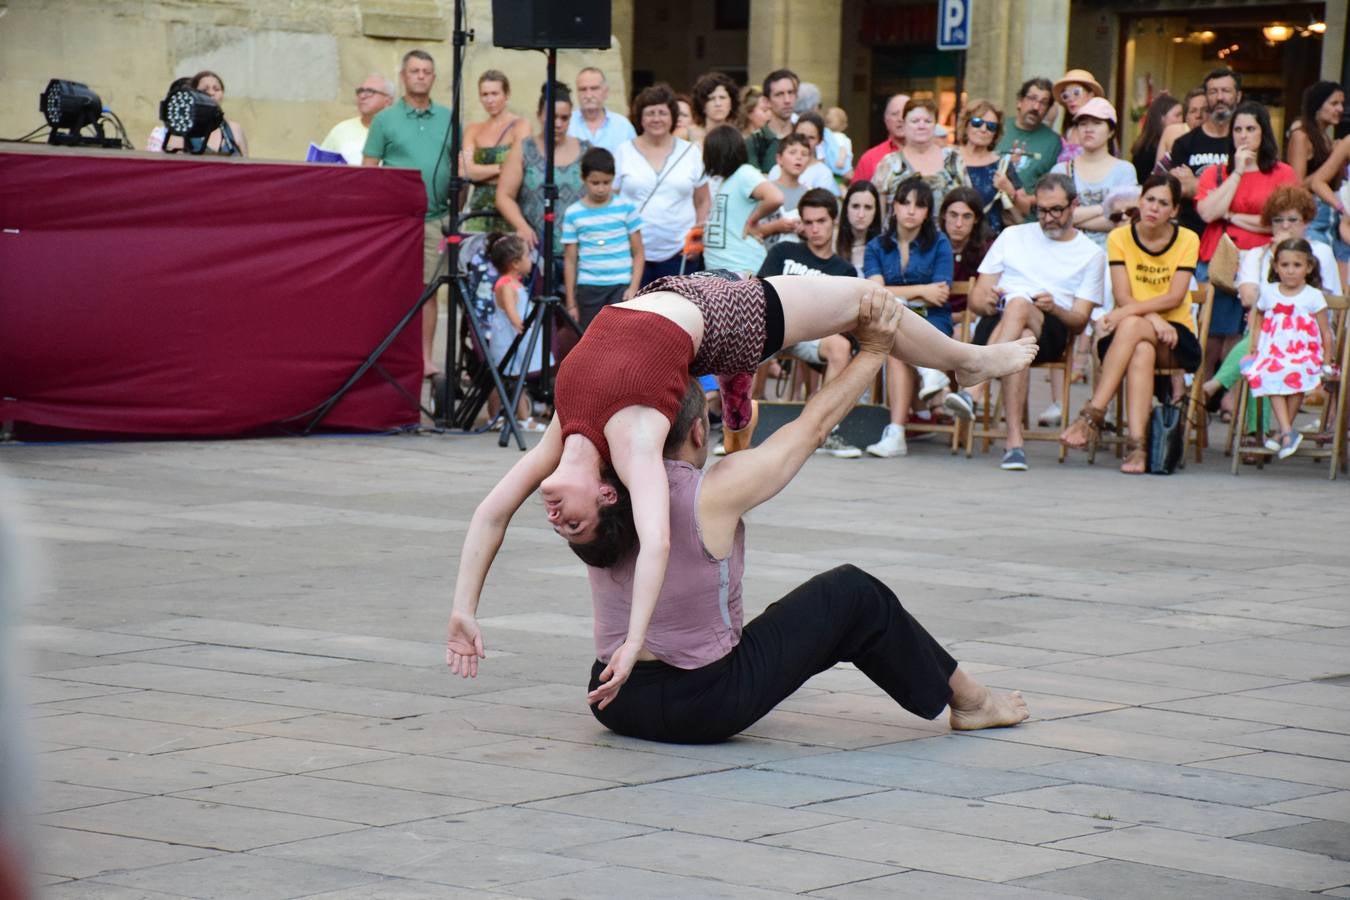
<point>627,357</point>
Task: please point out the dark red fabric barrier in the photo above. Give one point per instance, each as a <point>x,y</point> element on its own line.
<point>148,296</point>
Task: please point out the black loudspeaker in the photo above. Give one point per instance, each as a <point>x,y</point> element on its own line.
<point>546,24</point>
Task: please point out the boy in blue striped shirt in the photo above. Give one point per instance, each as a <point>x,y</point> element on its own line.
<point>602,244</point>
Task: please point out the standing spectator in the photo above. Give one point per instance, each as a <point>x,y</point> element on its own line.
<point>1095,172</point>
<point>977,134</point>
<point>602,241</point>
<point>817,174</point>
<point>520,187</point>
<point>210,84</point>
<point>1076,88</point>
<point>742,197</point>
<point>1231,202</point>
<point>860,223</point>
<point>1308,146</point>
<point>1189,153</point>
<point>794,155</point>
<point>592,122</point>
<point>894,119</point>
<point>808,98</point>
<point>486,146</point>
<point>414,133</point>
<point>684,122</point>
<point>511,257</point>
<point>780,86</point>
<point>913,259</point>
<point>1033,145</point>
<point>1163,112</point>
<point>1328,183</point>
<point>716,101</point>
<point>348,137</point>
<point>754,113</point>
<point>1038,280</point>
<point>1151,262</point>
<point>1196,109</point>
<point>838,146</point>
<point>662,176</point>
<point>939,166</point>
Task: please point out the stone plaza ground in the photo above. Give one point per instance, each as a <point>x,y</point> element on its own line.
<point>238,687</point>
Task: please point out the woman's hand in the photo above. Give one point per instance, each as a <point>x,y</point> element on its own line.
<point>464,645</point>
<point>935,294</point>
<point>528,236</point>
<point>1167,335</point>
<point>1003,185</point>
<point>1111,321</point>
<point>615,674</point>
<point>1244,161</point>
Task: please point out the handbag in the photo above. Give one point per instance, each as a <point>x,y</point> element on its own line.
<point>1165,427</point>
<point>1223,265</point>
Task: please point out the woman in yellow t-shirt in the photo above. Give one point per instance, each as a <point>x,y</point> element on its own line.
<point>1152,262</point>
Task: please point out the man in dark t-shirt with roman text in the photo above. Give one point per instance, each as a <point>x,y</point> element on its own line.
<point>1193,151</point>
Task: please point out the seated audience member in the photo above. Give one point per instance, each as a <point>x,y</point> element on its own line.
<point>1152,263</point>
<point>814,255</point>
<point>1042,280</point>
<point>703,676</point>
<point>913,259</point>
<point>939,165</point>
<point>1289,213</point>
<point>860,223</point>
<point>976,134</point>
<point>348,137</point>
<point>961,218</point>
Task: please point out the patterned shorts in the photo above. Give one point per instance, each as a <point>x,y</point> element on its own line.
<point>734,328</point>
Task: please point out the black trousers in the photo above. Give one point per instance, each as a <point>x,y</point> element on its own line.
<point>843,615</point>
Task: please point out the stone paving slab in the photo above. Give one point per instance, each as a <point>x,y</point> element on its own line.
<point>240,689</point>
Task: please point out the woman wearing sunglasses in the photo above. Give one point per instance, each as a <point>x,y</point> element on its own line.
<point>1072,91</point>
<point>976,135</point>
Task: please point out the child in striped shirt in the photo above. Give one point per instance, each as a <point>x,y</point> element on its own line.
<point>602,244</point>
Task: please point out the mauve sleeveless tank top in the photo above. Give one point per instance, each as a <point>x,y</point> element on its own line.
<point>698,614</point>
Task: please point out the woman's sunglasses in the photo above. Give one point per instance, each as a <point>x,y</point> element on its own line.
<point>986,124</point>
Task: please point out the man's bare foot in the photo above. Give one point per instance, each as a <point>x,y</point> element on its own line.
<point>996,360</point>
<point>995,710</point>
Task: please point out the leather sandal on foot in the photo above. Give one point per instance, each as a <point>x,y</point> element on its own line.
<point>1135,456</point>
<point>1093,418</point>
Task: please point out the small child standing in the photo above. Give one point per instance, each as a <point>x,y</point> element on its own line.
<point>1290,322</point>
<point>511,257</point>
<point>794,155</point>
<point>602,242</point>
<point>838,145</point>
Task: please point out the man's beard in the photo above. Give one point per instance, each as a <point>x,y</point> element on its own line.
<point>1221,113</point>
<point>1053,231</point>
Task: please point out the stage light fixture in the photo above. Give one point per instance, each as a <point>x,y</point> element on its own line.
<point>190,114</point>
<point>69,105</point>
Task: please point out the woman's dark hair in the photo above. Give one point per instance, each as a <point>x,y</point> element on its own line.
<point>206,73</point>
<point>812,118</point>
<point>1296,245</point>
<point>703,89</point>
<point>1152,129</point>
<point>655,95</point>
<point>503,249</point>
<point>979,235</point>
<point>498,76</point>
<point>1314,97</point>
<point>723,151</point>
<point>922,195</point>
<point>844,243</point>
<point>597,159</point>
<point>1268,154</point>
<point>615,533</point>
<point>1162,179</point>
<point>561,94</point>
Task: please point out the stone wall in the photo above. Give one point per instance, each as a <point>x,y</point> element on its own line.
<point>289,66</point>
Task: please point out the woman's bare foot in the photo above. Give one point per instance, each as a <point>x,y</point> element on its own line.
<point>995,360</point>
<point>1210,388</point>
<point>994,710</point>
<point>1076,436</point>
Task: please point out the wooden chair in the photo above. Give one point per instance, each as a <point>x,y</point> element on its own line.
<point>963,327</point>
<point>989,428</point>
<point>1194,429</point>
<point>1329,442</point>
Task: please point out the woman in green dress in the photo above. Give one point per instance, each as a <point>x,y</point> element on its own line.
<point>486,145</point>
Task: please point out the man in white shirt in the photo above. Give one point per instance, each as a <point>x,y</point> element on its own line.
<point>348,137</point>
<point>591,121</point>
<point>1042,280</point>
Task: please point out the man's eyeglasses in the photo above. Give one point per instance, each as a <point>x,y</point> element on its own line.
<point>367,92</point>
<point>986,124</point>
<point>1051,212</point>
<point>1287,220</point>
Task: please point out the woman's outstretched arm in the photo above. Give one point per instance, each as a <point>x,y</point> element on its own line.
<point>484,538</point>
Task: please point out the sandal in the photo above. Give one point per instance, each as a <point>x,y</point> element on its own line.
<point>1093,420</point>
<point>1136,457</point>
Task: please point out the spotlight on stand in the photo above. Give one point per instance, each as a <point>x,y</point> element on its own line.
<point>191,115</point>
<point>70,107</point>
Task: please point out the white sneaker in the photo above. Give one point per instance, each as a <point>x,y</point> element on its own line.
<point>931,381</point>
<point>720,450</point>
<point>839,448</point>
<point>892,443</point>
<point>1051,415</point>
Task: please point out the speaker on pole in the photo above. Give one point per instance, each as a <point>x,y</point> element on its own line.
<point>551,24</point>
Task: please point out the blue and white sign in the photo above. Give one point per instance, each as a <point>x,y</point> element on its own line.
<point>953,24</point>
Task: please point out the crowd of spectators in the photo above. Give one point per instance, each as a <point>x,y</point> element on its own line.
<point>1059,230</point>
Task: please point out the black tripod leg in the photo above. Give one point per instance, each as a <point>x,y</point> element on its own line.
<point>531,336</point>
